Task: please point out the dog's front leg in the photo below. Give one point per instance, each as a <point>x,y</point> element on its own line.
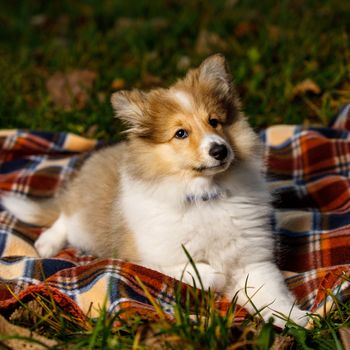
<point>261,289</point>
<point>207,276</point>
<point>53,239</point>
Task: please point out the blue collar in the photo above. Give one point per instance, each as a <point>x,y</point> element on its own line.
<point>204,197</point>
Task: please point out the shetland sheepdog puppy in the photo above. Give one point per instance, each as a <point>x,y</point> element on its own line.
<point>188,175</point>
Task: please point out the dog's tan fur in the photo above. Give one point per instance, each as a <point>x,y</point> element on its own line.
<point>152,152</point>
<point>102,217</point>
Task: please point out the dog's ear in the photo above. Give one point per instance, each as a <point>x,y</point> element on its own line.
<point>130,107</point>
<point>215,72</point>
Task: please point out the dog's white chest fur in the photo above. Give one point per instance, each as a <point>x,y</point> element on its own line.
<point>161,229</point>
<point>166,216</point>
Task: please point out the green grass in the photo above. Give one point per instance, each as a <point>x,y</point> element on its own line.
<point>271,46</point>
<point>197,324</point>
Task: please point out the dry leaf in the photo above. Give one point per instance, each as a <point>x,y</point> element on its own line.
<point>9,329</point>
<point>118,84</point>
<point>245,29</point>
<point>306,86</point>
<point>71,90</point>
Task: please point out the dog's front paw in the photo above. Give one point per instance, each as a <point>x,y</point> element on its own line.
<point>209,278</point>
<point>47,245</point>
<point>295,315</point>
<point>215,281</point>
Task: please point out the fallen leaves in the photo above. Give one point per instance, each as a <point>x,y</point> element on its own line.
<point>24,335</point>
<point>71,90</point>
<point>306,86</point>
<point>118,84</point>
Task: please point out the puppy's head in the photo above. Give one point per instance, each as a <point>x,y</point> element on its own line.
<point>194,128</point>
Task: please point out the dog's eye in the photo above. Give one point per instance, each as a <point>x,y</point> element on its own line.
<point>181,134</point>
<point>214,122</point>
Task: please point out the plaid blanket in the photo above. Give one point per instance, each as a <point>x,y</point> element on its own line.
<point>308,172</point>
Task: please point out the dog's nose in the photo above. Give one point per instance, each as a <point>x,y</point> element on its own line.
<point>218,151</point>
